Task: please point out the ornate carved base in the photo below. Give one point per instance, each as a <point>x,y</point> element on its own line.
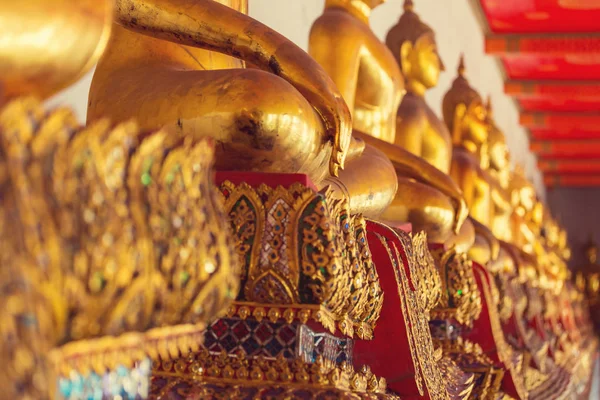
<point>309,289</point>
<point>469,357</point>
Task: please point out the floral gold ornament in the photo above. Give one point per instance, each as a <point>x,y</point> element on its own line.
<point>112,230</point>
<point>460,298</point>
<point>234,372</point>
<point>303,252</point>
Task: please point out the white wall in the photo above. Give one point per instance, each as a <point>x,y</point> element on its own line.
<point>457,31</point>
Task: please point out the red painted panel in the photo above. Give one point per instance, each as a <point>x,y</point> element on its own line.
<point>549,103</point>
<point>565,166</point>
<point>572,180</point>
<point>564,67</point>
<point>566,134</point>
<point>567,148</point>
<point>564,90</point>
<point>524,16</point>
<point>561,121</point>
<point>543,45</point>
<point>550,50</point>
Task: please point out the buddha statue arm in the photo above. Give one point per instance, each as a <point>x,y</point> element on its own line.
<point>465,177</point>
<point>409,165</point>
<point>409,131</point>
<point>338,54</point>
<point>209,25</point>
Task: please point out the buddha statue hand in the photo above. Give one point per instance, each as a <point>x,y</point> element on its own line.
<point>324,96</point>
<point>411,166</point>
<point>462,213</point>
<point>212,26</point>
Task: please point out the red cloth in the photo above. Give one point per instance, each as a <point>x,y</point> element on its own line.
<point>388,354</point>
<point>255,179</point>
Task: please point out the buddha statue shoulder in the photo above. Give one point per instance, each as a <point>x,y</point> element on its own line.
<point>181,65</point>
<point>370,80</point>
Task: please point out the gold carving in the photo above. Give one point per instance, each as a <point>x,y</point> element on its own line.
<point>460,298</point>
<point>108,233</point>
<point>511,358</point>
<point>299,246</point>
<point>426,274</point>
<point>470,358</point>
<point>204,368</point>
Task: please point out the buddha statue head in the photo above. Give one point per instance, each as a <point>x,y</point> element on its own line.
<point>465,114</point>
<point>361,7</point>
<point>413,44</point>
<point>498,153</point>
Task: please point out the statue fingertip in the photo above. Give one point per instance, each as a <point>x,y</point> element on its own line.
<point>333,168</point>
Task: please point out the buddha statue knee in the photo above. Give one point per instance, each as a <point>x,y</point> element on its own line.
<point>369,197</point>
<point>437,219</point>
<point>186,75</point>
<point>486,248</point>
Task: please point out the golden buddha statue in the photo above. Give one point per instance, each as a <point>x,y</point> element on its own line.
<point>499,170</point>
<point>556,268</point>
<point>185,72</point>
<point>563,243</point>
<point>587,278</point>
<point>589,272</point>
<point>418,129</point>
<point>370,81</point>
<point>465,115</point>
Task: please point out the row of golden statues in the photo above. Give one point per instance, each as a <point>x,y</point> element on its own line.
<point>125,274</point>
